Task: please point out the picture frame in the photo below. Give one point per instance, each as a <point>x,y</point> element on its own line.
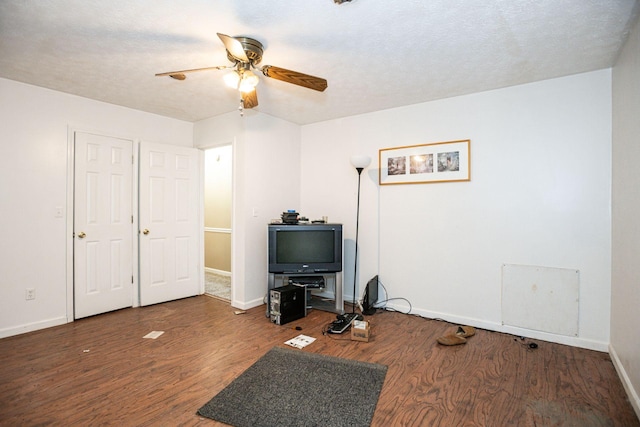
<point>425,163</point>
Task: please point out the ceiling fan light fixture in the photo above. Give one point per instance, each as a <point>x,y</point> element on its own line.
<point>245,53</point>
<point>232,79</point>
<point>243,80</point>
<point>248,82</point>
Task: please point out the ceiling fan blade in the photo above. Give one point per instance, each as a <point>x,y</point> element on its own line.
<point>250,99</point>
<point>234,47</point>
<point>180,75</point>
<point>300,79</point>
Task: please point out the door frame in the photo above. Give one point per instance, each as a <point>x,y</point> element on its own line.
<point>234,235</point>
<point>71,131</point>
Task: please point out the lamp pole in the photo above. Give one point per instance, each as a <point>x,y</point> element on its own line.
<point>355,257</point>
<point>360,163</point>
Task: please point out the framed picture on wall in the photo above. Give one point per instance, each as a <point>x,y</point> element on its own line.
<point>425,163</point>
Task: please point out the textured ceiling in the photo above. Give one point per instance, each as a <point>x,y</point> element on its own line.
<point>375,54</point>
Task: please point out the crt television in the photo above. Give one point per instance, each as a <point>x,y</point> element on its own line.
<point>305,248</point>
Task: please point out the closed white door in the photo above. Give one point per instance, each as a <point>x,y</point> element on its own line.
<point>103,224</point>
<point>169,225</point>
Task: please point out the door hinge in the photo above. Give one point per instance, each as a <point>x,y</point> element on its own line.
<point>131,279</point>
<point>131,219</point>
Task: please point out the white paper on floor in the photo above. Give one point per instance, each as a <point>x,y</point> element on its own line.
<point>153,334</point>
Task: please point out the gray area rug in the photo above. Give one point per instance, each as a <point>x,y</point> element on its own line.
<point>295,388</point>
<point>217,285</point>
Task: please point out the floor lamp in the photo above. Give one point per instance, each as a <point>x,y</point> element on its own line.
<point>360,163</point>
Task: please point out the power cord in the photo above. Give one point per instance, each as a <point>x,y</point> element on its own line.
<point>379,305</point>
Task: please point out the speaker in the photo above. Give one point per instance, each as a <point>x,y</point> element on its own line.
<point>370,297</point>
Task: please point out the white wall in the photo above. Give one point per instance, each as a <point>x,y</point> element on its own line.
<point>330,188</point>
<point>266,182</point>
<point>625,282</point>
<point>539,195</point>
<point>33,184</point>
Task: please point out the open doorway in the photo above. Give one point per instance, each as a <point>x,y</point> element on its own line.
<point>218,162</point>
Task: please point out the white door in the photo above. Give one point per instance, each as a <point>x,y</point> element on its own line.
<point>103,229</point>
<point>169,227</point>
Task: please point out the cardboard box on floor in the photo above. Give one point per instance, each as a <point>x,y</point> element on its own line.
<point>360,331</point>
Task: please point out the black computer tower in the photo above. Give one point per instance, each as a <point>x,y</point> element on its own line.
<point>287,303</point>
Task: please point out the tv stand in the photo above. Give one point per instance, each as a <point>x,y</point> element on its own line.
<point>324,290</point>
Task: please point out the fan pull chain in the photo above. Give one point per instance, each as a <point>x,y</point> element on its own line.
<point>241,107</point>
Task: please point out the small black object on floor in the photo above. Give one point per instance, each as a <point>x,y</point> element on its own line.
<point>343,322</point>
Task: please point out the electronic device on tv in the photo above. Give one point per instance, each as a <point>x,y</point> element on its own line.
<point>289,217</point>
<point>370,297</point>
<point>305,248</point>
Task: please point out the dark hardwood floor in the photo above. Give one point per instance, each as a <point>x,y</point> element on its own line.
<point>100,371</point>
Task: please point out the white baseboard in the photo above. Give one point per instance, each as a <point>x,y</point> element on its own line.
<point>216,271</point>
<point>247,305</point>
<point>512,330</point>
<point>632,394</point>
<point>30,327</point>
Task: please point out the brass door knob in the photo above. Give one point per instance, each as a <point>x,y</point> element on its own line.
<point>145,231</point>
<point>82,235</point>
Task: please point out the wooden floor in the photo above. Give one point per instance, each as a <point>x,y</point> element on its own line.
<point>100,371</point>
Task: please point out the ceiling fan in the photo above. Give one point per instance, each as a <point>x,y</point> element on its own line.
<point>246,53</point>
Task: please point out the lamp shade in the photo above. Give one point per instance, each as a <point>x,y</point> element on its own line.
<point>244,81</point>
<point>248,82</point>
<point>232,79</point>
<point>360,161</point>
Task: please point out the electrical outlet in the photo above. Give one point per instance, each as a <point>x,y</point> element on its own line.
<point>30,294</point>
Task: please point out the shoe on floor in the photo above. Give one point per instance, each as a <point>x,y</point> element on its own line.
<point>466,331</point>
<point>452,339</point>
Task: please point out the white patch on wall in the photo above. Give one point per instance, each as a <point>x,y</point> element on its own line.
<point>541,298</point>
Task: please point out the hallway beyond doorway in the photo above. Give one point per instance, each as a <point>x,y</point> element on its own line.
<point>217,285</point>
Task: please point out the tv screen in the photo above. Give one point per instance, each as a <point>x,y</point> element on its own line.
<point>305,248</point>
